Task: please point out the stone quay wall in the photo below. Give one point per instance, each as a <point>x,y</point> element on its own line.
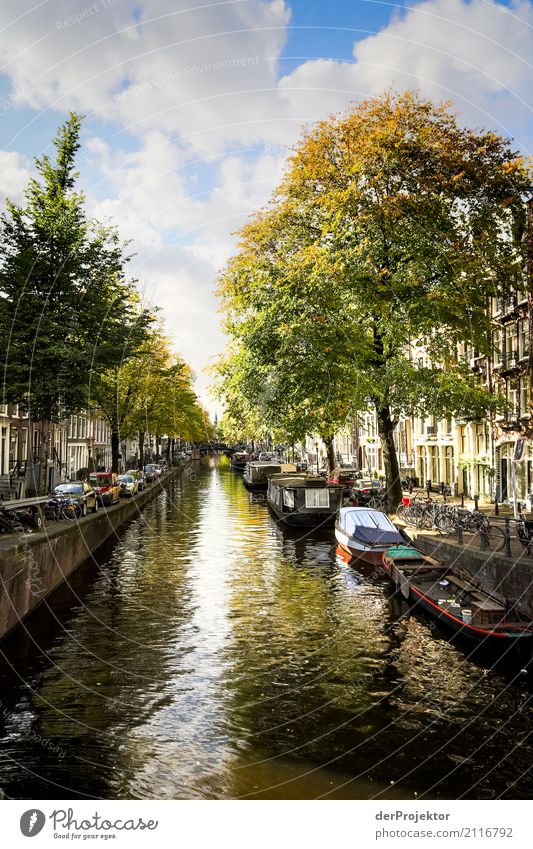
<point>33,565</point>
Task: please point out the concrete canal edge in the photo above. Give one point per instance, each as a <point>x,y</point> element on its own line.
<point>33,565</point>
<point>504,577</point>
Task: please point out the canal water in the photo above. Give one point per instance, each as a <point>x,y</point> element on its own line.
<point>210,653</point>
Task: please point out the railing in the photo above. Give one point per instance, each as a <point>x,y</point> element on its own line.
<point>498,535</point>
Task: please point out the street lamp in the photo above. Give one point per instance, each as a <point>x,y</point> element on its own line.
<point>317,464</point>
<point>90,444</point>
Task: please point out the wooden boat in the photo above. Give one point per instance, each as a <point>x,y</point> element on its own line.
<point>454,600</point>
<point>303,500</point>
<point>365,533</point>
<point>256,473</point>
<point>238,461</point>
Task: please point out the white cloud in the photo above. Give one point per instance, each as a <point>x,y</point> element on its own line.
<point>14,175</point>
<point>198,91</point>
<point>477,54</point>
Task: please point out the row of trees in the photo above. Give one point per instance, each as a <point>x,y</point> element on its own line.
<point>392,228</point>
<point>76,334</point>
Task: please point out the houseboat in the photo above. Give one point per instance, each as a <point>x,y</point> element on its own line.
<point>303,500</point>
<point>365,533</point>
<point>238,461</point>
<point>454,600</point>
<point>256,473</point>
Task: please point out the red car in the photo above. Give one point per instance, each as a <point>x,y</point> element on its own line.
<point>107,487</point>
<point>347,477</point>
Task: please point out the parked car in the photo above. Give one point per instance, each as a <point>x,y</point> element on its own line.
<point>158,469</point>
<point>81,494</point>
<point>139,476</point>
<point>348,477</point>
<point>367,490</point>
<point>265,457</point>
<point>106,486</point>
<point>128,485</point>
<point>150,473</point>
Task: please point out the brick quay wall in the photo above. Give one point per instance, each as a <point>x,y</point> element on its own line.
<point>33,565</point>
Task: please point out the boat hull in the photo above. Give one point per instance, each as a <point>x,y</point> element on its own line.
<point>255,486</point>
<point>357,549</point>
<point>298,519</point>
<point>493,636</point>
<point>465,629</point>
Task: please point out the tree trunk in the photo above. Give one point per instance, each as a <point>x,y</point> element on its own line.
<point>328,442</point>
<point>115,449</point>
<point>167,451</point>
<point>390,458</point>
<point>44,455</point>
<point>141,449</point>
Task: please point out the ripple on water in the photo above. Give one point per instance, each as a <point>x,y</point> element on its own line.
<point>212,653</point>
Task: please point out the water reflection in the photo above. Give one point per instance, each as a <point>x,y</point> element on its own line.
<point>213,654</point>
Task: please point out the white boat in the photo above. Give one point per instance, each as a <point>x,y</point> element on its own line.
<point>365,533</point>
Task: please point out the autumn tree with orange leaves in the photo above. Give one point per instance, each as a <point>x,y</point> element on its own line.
<point>393,226</point>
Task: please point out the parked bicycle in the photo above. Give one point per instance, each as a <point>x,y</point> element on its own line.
<point>62,508</point>
<point>524,533</point>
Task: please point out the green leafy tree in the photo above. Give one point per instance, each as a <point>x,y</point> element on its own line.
<point>150,392</point>
<point>390,231</point>
<point>66,309</point>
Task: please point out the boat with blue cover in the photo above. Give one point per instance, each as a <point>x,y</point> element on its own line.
<point>366,533</point>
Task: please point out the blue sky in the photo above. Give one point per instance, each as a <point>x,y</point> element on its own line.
<point>192,107</point>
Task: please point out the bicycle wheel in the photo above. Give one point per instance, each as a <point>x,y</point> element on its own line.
<point>375,503</point>
<point>413,515</point>
<point>71,512</point>
<point>428,518</point>
<point>444,523</point>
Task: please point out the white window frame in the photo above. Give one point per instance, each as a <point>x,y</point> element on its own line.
<point>316,498</point>
<point>288,498</point>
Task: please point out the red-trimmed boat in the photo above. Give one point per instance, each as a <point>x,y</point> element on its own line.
<point>453,599</point>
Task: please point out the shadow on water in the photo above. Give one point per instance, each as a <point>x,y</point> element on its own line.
<point>211,653</point>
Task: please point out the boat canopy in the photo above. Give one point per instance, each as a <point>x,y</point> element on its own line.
<point>369,526</point>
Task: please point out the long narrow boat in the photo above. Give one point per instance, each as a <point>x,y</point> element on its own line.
<point>452,599</point>
<point>303,499</point>
<point>255,474</point>
<point>365,533</point>
<point>238,461</point>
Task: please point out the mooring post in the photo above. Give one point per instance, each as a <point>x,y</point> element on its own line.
<point>507,537</point>
<point>459,529</point>
<point>483,539</point>
<point>496,508</point>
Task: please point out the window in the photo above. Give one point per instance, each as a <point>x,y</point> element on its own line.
<point>524,397</point>
<point>497,345</point>
<point>512,400</point>
<point>448,465</point>
<point>288,498</point>
<point>434,463</point>
<point>523,338</point>
<point>316,498</point>
<point>480,439</point>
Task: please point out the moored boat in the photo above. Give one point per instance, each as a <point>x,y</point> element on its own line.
<point>256,473</point>
<point>365,533</point>
<point>303,500</point>
<point>238,461</point>
<point>453,599</point>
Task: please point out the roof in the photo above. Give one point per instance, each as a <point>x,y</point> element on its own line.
<point>302,480</point>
